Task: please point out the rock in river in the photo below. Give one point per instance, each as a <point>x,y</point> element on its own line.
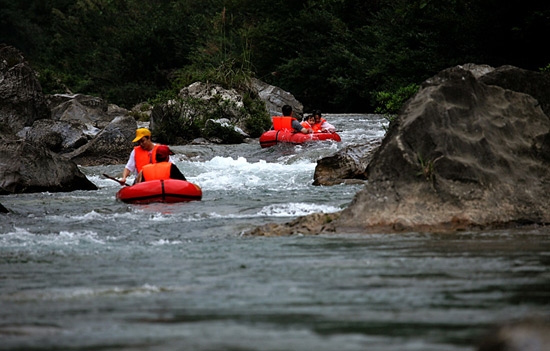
<point>462,154</point>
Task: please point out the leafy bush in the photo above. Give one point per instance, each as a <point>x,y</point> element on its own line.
<point>389,103</point>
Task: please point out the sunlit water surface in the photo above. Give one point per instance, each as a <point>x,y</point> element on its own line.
<point>80,270</point>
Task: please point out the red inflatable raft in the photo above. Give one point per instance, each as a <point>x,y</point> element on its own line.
<point>272,137</point>
<point>169,190</point>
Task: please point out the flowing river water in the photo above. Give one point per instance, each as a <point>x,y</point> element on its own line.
<point>81,271</point>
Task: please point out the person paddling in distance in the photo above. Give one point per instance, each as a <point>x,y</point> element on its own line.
<point>322,123</point>
<point>141,155</point>
<point>289,122</point>
<point>161,170</point>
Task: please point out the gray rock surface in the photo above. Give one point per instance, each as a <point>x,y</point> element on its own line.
<point>26,168</point>
<point>21,99</point>
<point>275,98</point>
<point>461,155</point>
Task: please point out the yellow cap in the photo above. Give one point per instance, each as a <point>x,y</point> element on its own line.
<point>140,133</point>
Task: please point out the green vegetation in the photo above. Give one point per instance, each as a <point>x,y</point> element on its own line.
<point>426,168</point>
<point>389,103</point>
<point>331,54</point>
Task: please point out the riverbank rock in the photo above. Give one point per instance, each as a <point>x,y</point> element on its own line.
<point>347,166</point>
<point>112,145</point>
<point>461,155</point>
<point>26,168</point>
<point>21,98</point>
<point>275,98</point>
<point>57,136</point>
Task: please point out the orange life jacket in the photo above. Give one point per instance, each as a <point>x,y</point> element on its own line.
<point>158,171</point>
<point>306,125</point>
<point>284,122</point>
<point>317,126</point>
<point>144,158</point>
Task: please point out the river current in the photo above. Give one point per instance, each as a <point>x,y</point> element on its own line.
<point>82,271</point>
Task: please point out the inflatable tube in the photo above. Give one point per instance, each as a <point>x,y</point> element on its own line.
<point>169,190</point>
<point>272,137</point>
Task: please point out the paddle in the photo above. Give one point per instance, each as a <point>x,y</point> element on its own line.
<point>116,180</point>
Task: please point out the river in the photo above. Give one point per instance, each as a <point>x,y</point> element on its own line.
<point>81,271</point>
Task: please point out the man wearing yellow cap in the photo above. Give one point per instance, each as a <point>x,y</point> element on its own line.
<point>141,155</point>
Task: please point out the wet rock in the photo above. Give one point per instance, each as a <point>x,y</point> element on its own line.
<point>111,146</point>
<point>58,136</point>
<point>347,166</point>
<point>21,99</point>
<point>311,224</point>
<point>85,109</point>
<point>3,209</point>
<point>26,168</point>
<point>461,155</point>
<point>225,131</point>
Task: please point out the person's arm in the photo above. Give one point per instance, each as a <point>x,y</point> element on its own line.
<point>125,174</point>
<point>140,178</point>
<point>130,166</point>
<point>299,128</point>
<point>328,127</point>
<point>175,173</point>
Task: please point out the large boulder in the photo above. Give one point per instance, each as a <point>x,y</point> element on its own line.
<point>206,110</point>
<point>111,146</point>
<point>536,84</point>
<point>26,168</point>
<point>275,98</point>
<point>21,99</point>
<point>462,154</point>
<point>91,111</point>
<point>57,136</point>
<point>347,166</point>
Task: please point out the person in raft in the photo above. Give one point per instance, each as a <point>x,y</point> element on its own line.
<point>322,123</point>
<point>141,155</point>
<point>309,123</point>
<point>162,169</point>
<point>289,122</point>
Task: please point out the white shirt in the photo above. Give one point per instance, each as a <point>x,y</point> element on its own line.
<point>131,165</point>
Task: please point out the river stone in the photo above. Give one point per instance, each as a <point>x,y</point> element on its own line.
<point>58,136</point>
<point>26,168</point>
<point>347,166</point>
<point>111,146</point>
<point>275,98</point>
<point>85,109</point>
<point>21,99</point>
<point>461,155</point>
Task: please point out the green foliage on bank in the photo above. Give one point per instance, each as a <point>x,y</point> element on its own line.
<point>331,54</point>
<point>389,103</point>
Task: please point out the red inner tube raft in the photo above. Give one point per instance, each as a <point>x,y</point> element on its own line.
<point>169,190</point>
<point>272,137</point>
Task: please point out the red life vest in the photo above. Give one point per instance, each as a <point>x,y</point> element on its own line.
<point>158,171</point>
<point>284,122</point>
<point>317,126</point>
<point>306,125</point>
<point>143,157</point>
